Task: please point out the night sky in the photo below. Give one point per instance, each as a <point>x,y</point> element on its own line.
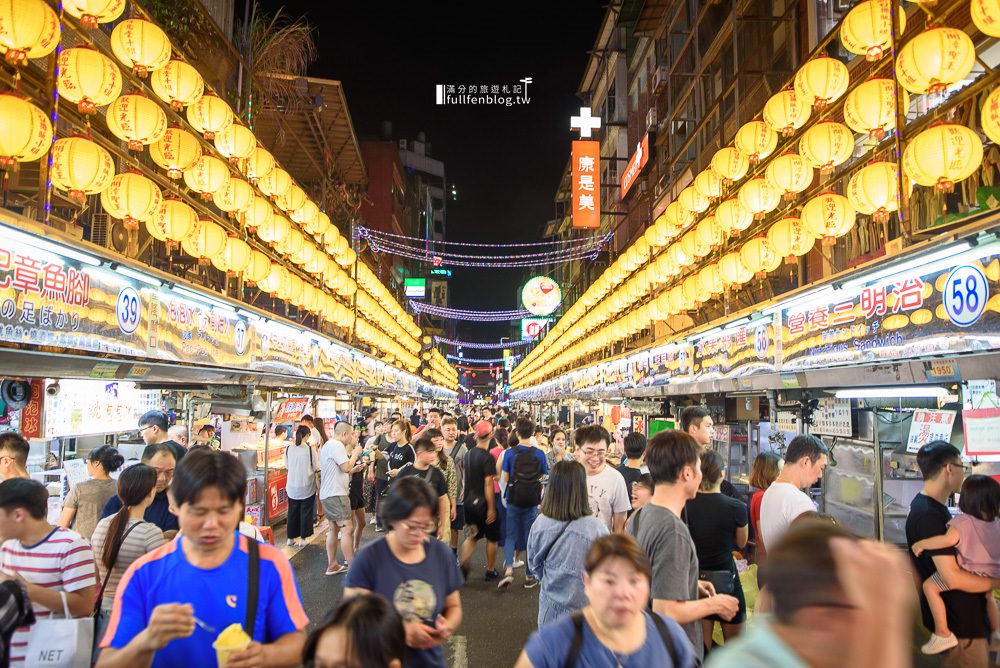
<point>505,162</point>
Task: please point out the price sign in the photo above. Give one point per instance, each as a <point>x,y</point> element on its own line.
<point>128,309</point>
<point>965,295</point>
<point>929,425</point>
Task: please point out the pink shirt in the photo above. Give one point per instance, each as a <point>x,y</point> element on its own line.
<point>978,545</point>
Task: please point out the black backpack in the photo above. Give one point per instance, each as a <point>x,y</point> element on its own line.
<point>525,488</point>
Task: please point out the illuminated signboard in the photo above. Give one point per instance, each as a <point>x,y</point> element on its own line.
<point>532,327</point>
<point>96,407</point>
<point>636,164</point>
<point>415,288</point>
<point>586,176</point>
<point>541,295</point>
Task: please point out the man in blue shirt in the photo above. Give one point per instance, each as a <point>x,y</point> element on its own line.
<point>161,457</point>
<point>522,477</point>
<point>172,604</point>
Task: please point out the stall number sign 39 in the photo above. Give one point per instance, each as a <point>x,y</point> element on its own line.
<point>965,295</point>
<point>128,309</point>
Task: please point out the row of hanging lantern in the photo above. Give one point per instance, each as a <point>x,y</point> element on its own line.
<point>241,178</point>
<point>437,368</point>
<point>939,156</point>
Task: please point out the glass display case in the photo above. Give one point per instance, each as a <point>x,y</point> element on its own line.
<point>869,484</point>
<point>739,444</point>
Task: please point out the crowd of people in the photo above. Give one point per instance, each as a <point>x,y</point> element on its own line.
<point>632,544</point>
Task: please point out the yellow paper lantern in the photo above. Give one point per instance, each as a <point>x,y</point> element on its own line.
<point>132,198</point>
<point>276,278</point>
<point>758,256</point>
<point>654,239</point>
<point>274,230</point>
<point>173,223</point>
<point>756,140</point>
<point>318,265</point>
<point>990,116</point>
<point>205,241</point>
<point>730,163</point>
<point>257,269</point>
<point>258,214</point>
<point>709,184</point>
<point>665,268</point>
<point>821,81</point>
<point>347,258</point>
<point>291,243</point>
<point>693,246</point>
<point>209,115</point>
<point>306,215</point>
<point>692,200</point>
<point>25,131</point>
<point>827,145</point>
<point>785,112</point>
<point>81,168</point>
<point>733,216</point>
<point>732,270</point>
<point>92,12</point>
<point>874,190</point>
<point>141,45</point>
<point>28,29</point>
<point>934,59</point>
<point>88,78</point>
<point>235,197</point>
<point>828,216</point>
<point>694,294</point>
<point>305,254</point>
<point>677,217</point>
<point>710,232</point>
<point>663,306</point>
<point>710,280</point>
<point>321,226</point>
<point>676,298</point>
<point>942,155</point>
<point>176,152</point>
<point>275,183</point>
<point>258,165</point>
<point>759,197</point>
<point>789,237</point>
<point>986,16</point>
<point>234,258</point>
<point>235,142</point>
<point>867,28</point>
<point>207,176</point>
<point>292,199</point>
<point>871,107</point>
<point>790,174</point>
<point>137,120</point>
<point>178,84</point>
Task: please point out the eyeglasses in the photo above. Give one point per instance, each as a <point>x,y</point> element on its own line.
<point>148,426</point>
<point>415,529</point>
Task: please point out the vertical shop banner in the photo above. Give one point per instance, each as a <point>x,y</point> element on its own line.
<point>636,165</point>
<point>929,425</point>
<point>951,310</point>
<point>31,415</point>
<point>586,184</point>
<point>277,497</point>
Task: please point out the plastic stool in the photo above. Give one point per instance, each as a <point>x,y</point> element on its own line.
<point>268,534</point>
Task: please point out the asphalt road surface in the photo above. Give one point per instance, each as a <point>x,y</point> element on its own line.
<point>495,626</point>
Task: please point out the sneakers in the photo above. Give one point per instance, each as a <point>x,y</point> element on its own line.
<point>373,521</point>
<point>292,542</point>
<point>517,564</point>
<point>506,582</point>
<point>938,644</point>
<point>491,576</point>
<point>379,529</point>
<point>302,542</point>
<point>530,582</point>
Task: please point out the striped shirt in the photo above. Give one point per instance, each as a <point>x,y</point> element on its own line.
<point>142,539</point>
<point>62,561</point>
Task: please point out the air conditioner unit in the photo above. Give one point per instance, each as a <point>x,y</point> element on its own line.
<point>651,118</point>
<point>660,75</point>
<point>404,145</point>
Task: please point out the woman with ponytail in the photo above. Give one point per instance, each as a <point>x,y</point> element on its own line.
<point>86,500</point>
<point>122,538</point>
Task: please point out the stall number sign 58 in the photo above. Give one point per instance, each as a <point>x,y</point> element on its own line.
<point>128,309</point>
<point>965,295</point>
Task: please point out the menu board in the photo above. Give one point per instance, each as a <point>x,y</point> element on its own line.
<point>96,407</point>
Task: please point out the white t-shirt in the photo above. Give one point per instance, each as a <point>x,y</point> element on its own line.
<point>782,503</point>
<point>333,481</point>
<point>608,495</point>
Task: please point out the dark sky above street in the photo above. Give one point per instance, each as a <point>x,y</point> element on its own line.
<point>505,162</point>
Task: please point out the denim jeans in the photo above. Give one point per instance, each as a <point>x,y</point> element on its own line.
<point>519,521</point>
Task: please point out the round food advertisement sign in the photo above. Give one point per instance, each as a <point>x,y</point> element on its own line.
<point>541,295</point>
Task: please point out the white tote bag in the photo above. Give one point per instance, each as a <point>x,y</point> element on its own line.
<point>61,643</point>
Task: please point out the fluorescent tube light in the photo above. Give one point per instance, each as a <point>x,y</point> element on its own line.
<point>249,315</point>
<point>893,392</point>
<point>924,263</point>
<point>205,299</point>
<point>138,276</point>
<point>702,335</point>
<point>53,247</point>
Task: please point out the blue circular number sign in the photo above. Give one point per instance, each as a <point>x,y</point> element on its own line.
<point>128,309</point>
<point>965,295</point>
<point>761,341</point>
<point>240,337</point>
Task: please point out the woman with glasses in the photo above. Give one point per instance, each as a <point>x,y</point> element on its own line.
<point>419,575</point>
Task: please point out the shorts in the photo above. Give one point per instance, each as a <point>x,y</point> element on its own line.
<point>357,498</point>
<point>459,522</point>
<point>476,526</point>
<point>942,586</point>
<point>741,615</point>
<point>337,509</point>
